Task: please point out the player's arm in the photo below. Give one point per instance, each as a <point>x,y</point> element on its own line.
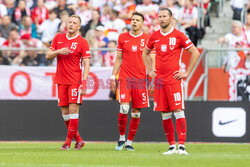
<point>86,66</point>
<point>194,57</point>
<point>51,54</point>
<point>148,62</point>
<point>116,69</point>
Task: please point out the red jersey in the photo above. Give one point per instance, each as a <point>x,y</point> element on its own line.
<point>132,63</point>
<point>69,67</point>
<point>169,48</point>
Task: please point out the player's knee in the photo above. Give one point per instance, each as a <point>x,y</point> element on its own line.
<point>166,115</point>
<point>179,115</point>
<point>124,108</point>
<point>66,117</point>
<point>136,115</point>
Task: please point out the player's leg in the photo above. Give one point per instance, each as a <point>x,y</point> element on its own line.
<point>134,123</point>
<point>122,122</point>
<point>73,122</point>
<point>124,99</point>
<point>181,128</point>
<point>139,100</point>
<point>161,105</point>
<point>168,127</point>
<point>176,102</point>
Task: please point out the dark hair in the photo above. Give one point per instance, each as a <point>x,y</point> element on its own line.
<point>169,11</point>
<point>113,41</point>
<point>248,11</point>
<point>53,11</point>
<point>14,29</point>
<point>138,14</point>
<point>115,12</point>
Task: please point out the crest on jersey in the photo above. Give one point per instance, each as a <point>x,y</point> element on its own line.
<point>163,48</point>
<point>122,96</point>
<point>134,48</point>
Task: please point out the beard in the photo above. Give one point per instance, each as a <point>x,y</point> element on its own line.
<point>164,25</point>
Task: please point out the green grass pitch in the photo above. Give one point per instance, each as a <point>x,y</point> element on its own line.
<point>102,154</point>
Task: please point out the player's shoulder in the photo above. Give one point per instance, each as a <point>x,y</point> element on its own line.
<point>60,35</point>
<point>155,35</point>
<point>178,33</point>
<point>145,35</point>
<point>124,35</point>
<point>82,39</point>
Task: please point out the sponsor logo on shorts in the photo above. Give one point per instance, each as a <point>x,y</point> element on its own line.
<point>177,104</point>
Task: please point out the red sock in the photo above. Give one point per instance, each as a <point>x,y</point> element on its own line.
<point>134,123</point>
<point>73,126</point>
<point>181,128</point>
<point>168,127</point>
<point>122,121</point>
<point>77,135</point>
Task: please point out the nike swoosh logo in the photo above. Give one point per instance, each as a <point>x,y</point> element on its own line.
<point>228,122</point>
<point>177,104</point>
<point>157,40</point>
<point>60,42</point>
<point>126,41</point>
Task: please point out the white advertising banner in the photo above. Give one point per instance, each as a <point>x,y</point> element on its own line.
<point>36,83</point>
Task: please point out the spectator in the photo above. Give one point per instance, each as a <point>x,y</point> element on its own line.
<point>73,4</point>
<point>188,19</point>
<point>39,13</point>
<point>93,23</point>
<point>84,13</point>
<point>114,24</point>
<point>125,9</point>
<point>3,59</point>
<point>49,28</point>
<point>27,27</point>
<point>61,7</point>
<point>10,4</point>
<point>62,27</point>
<point>237,7</point>
<point>50,4</point>
<point>246,28</point>
<point>3,10</point>
<point>31,4</point>
<point>109,57</point>
<point>30,58</point>
<point>13,41</point>
<point>97,4</point>
<point>235,39</point>
<point>149,10</point>
<point>102,40</point>
<point>171,4</point>
<point>92,41</point>
<point>20,11</point>
<point>106,10</point>
<point>2,40</point>
<point>6,26</point>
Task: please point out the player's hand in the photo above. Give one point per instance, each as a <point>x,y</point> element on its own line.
<point>180,75</point>
<point>152,74</point>
<point>64,51</point>
<point>83,91</point>
<point>113,85</point>
<point>151,86</point>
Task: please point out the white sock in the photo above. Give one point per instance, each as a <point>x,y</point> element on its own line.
<point>181,145</point>
<point>122,138</point>
<point>129,142</point>
<point>173,146</point>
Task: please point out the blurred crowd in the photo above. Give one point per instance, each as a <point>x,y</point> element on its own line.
<point>239,37</point>
<point>34,23</point>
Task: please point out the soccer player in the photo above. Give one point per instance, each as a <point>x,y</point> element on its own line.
<point>132,79</point>
<point>73,61</point>
<point>168,43</point>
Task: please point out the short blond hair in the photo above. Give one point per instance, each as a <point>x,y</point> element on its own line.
<point>78,17</point>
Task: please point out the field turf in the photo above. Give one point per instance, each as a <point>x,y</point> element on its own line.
<point>98,154</point>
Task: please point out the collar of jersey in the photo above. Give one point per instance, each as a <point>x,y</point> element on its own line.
<point>71,37</point>
<point>134,35</point>
<point>165,34</point>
